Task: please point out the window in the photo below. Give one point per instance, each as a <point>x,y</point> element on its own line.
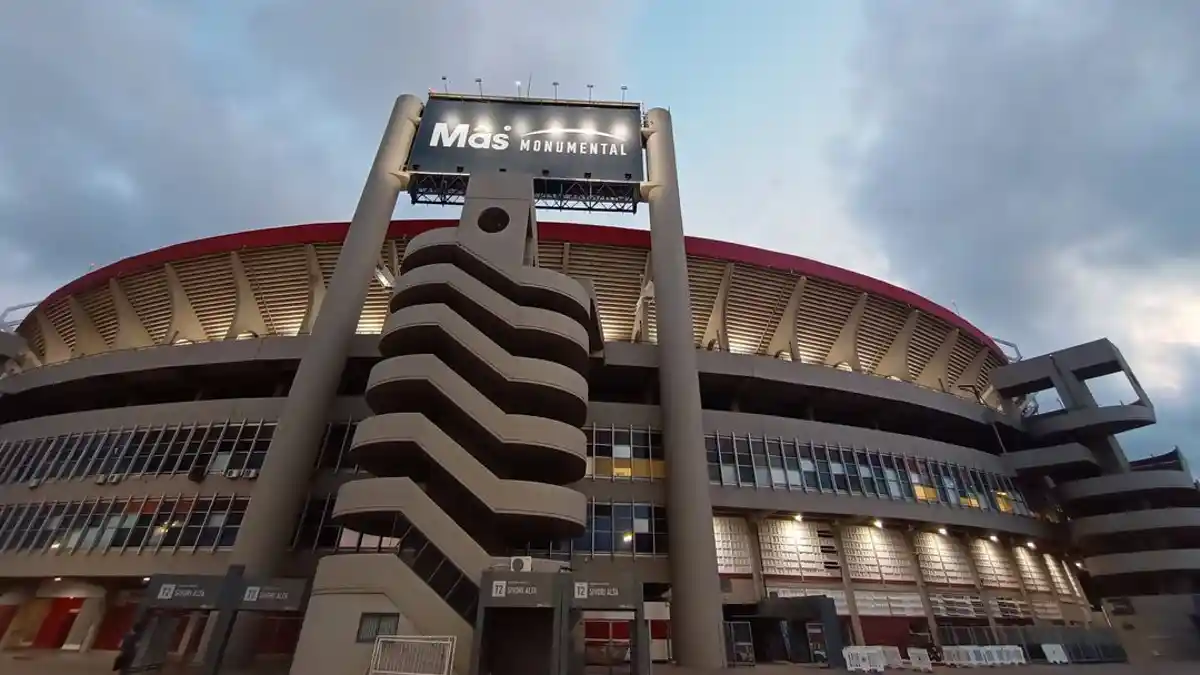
<point>759,462</point>
<point>371,626</point>
<point>924,493</point>
<point>146,524</point>
<point>1003,502</point>
<point>167,450</point>
<point>624,453</point>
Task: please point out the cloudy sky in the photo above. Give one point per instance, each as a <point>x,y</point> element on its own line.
<point>1034,165</point>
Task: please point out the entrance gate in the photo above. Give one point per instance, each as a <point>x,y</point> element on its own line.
<point>529,623</point>
<point>157,617</point>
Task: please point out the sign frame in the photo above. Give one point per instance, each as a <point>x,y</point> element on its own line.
<point>581,155</point>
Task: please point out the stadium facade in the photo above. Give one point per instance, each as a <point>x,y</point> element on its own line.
<point>725,426</point>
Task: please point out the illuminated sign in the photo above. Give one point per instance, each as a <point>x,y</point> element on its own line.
<point>600,142</point>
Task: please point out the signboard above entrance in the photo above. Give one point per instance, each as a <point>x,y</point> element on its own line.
<point>202,591</point>
<point>574,151</point>
<point>550,140</point>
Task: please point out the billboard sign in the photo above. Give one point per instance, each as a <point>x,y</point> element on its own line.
<point>549,140</point>
<point>185,591</point>
<point>275,595</point>
<point>519,589</point>
<point>609,594</point>
<point>203,591</point>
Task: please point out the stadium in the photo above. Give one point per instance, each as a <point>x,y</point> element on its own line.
<point>872,463</point>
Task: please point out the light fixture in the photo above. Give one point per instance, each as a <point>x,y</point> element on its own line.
<point>1030,545</point>
<point>58,578</point>
<point>1079,564</point>
<point>628,537</point>
<point>798,518</point>
<point>54,546</point>
<point>994,538</point>
<point>878,523</point>
<point>145,580</point>
<point>942,531</point>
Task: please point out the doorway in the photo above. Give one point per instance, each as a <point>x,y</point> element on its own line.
<point>517,640</point>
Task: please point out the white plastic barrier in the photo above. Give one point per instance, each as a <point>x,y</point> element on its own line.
<point>1008,655</point>
<point>1017,655</point>
<point>955,657</point>
<point>919,658</point>
<point>892,657</point>
<point>973,656</point>
<point>1055,654</point>
<point>864,659</point>
<point>965,656</point>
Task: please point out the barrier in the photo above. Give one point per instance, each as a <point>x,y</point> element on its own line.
<point>1018,655</point>
<point>953,656</point>
<point>1055,654</point>
<point>975,656</point>
<point>412,655</point>
<point>864,659</point>
<point>1095,644</point>
<point>878,658</point>
<point>919,658</point>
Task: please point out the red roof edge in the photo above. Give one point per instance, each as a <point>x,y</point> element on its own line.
<point>322,233</point>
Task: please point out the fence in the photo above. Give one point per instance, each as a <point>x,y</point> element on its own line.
<point>412,655</point>
<point>739,644</point>
<point>1082,645</point>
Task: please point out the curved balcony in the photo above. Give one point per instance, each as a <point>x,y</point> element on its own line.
<point>1125,484</point>
<point>1133,521</point>
<point>528,286</point>
<point>522,329</point>
<point>530,446</point>
<point>1065,458</point>
<point>370,506</point>
<point>411,444</point>
<point>1163,560</point>
<point>519,383</point>
<point>1101,421</point>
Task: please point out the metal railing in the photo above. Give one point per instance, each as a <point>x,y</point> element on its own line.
<point>1082,644</point>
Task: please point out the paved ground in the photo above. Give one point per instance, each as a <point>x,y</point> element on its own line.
<point>98,664</point>
<point>101,664</point>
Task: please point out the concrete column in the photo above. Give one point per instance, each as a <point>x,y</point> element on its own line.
<point>848,588</point>
<point>930,617</point>
<point>86,623</point>
<point>283,482</point>
<point>760,584</point>
<point>696,621</point>
<point>205,637</point>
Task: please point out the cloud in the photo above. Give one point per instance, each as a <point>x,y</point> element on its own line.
<point>130,125</point>
<point>1043,161</point>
